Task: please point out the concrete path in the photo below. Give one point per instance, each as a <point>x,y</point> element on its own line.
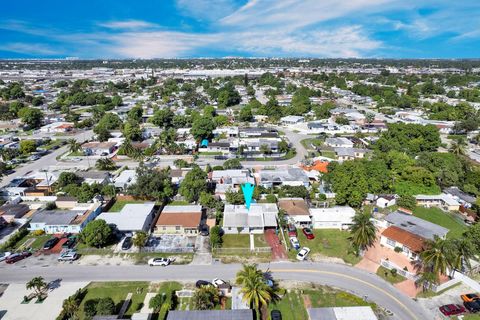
<point>202,255</point>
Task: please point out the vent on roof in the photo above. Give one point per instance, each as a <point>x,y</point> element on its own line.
<point>411,223</point>
<point>403,225</point>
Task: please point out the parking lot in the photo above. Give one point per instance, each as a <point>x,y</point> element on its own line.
<point>451,296</point>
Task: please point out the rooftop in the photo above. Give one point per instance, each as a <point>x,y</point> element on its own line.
<point>412,224</point>
<point>412,241</point>
<point>294,206</point>
<point>131,217</point>
<point>55,217</point>
<point>238,314</point>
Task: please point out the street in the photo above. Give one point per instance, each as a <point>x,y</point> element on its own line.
<point>356,281</point>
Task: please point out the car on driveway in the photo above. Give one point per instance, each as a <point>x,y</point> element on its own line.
<point>50,243</point>
<point>202,283</point>
<point>275,315</point>
<point>451,309</point>
<point>308,233</point>
<point>218,282</point>
<point>127,243</point>
<point>469,297</point>
<point>17,257</point>
<point>69,243</point>
<point>163,262</point>
<point>4,255</point>
<point>472,306</point>
<point>292,230</point>
<point>303,253</point>
<point>294,242</point>
<point>69,255</point>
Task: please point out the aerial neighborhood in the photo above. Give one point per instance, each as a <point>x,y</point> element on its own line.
<point>239,189</point>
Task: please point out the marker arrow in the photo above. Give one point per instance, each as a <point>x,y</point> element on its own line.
<point>248,189</point>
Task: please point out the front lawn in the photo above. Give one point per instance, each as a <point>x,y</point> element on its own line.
<point>386,274</point>
<point>330,243</point>
<point>329,154</point>
<point>118,292</point>
<point>236,241</point>
<point>35,242</point>
<point>119,204</point>
<point>441,218</point>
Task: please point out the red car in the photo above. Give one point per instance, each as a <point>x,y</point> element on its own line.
<point>292,231</point>
<point>308,233</point>
<point>452,309</point>
<point>17,257</point>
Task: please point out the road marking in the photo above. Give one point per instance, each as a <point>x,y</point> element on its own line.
<point>351,278</point>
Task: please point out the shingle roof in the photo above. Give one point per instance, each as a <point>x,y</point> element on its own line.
<point>412,241</point>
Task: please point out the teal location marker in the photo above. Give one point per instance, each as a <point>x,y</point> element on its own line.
<point>247,189</point>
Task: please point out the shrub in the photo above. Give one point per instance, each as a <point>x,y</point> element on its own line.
<point>38,233</point>
<point>398,249</point>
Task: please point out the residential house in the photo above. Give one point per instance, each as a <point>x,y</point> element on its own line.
<point>226,180</point>
<point>239,219</point>
<point>332,218</point>
<point>94,177</point>
<point>415,225</point>
<point>11,212</point>
<point>98,148</point>
<point>339,142</point>
<point>230,314</point>
<point>463,198</point>
<point>442,201</point>
<point>342,313</point>
<point>290,120</point>
<point>410,243</point>
<point>386,200</point>
<point>125,179</point>
<point>132,217</point>
<point>296,211</point>
<point>278,177</point>
<point>344,154</point>
<point>66,202</point>
<point>179,220</point>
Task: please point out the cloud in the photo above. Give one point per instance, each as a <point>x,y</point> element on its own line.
<point>210,10</point>
<point>32,49</point>
<point>127,25</point>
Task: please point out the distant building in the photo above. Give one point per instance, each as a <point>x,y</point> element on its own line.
<point>332,218</point>
<point>98,148</point>
<point>238,219</point>
<point>442,201</point>
<point>288,120</point>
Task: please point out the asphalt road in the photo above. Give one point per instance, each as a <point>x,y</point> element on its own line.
<point>347,278</point>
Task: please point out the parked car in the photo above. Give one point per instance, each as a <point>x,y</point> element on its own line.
<point>308,233</point>
<point>4,255</point>
<point>127,243</point>
<point>472,306</point>
<point>275,315</point>
<point>159,262</point>
<point>17,257</point>
<point>303,253</point>
<point>202,283</point>
<point>469,297</point>
<point>218,282</point>
<point>204,230</point>
<point>294,242</point>
<point>451,309</point>
<point>292,230</point>
<point>69,255</point>
<point>69,243</point>
<point>50,243</point>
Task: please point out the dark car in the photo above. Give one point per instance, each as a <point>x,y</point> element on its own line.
<point>275,315</point>
<point>452,309</point>
<point>69,243</point>
<point>203,283</point>
<point>17,257</point>
<point>204,230</point>
<point>308,233</point>
<point>472,306</point>
<point>50,243</point>
<point>292,231</point>
<point>127,243</point>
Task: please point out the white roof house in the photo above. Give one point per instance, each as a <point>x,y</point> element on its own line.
<point>132,217</point>
<point>125,179</point>
<point>332,218</point>
<point>339,142</point>
<point>443,201</point>
<point>292,119</point>
<point>232,176</point>
<point>238,219</point>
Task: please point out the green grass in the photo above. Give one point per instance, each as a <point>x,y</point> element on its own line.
<point>329,154</point>
<point>76,154</point>
<point>407,187</point>
<point>291,306</point>
<point>386,274</point>
<point>307,143</point>
<point>210,153</point>
<point>118,292</point>
<point>236,241</point>
<point>167,288</point>
<point>259,240</point>
<point>431,294</point>
<point>441,218</point>
<point>330,243</point>
<point>37,244</point>
<point>119,204</point>
<point>179,203</point>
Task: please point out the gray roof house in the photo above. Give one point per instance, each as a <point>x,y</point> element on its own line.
<point>460,196</point>
<point>239,219</point>
<point>132,217</point>
<point>278,177</point>
<point>420,227</point>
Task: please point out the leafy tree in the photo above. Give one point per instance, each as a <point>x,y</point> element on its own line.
<point>151,184</point>
<point>70,307</point>
<point>342,120</point>
<point>216,237</point>
<point>234,197</point>
<point>363,232</point>
<point>193,184</point>
<point>105,164</point>
<point>27,146</point>
<point>90,308</point>
<point>426,280</point>
<point>205,298</point>
<point>457,147</point>
<point>51,205</point>
<point>103,134</point>
<point>207,200</point>
<point>66,178</point>
<point>97,233</point>
<point>135,114</point>
<point>157,301</point>
<point>163,118</point>
<point>232,164</point>
<point>323,111</point>
<point>140,239</point>
<point>473,236</point>
<point>407,201</point>
<point>31,117</point>
<point>202,128</point>
<point>105,306</point>
<point>435,256</point>
<point>132,131</point>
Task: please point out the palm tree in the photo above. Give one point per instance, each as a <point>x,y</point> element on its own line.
<point>363,232</point>
<point>253,287</point>
<point>70,307</point>
<point>140,239</point>
<point>426,280</point>
<point>437,255</point>
<point>73,145</point>
<point>38,284</point>
<point>460,254</point>
<point>206,298</point>
<point>105,164</point>
<point>458,147</point>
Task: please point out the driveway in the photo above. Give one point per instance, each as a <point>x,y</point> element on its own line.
<point>278,250</point>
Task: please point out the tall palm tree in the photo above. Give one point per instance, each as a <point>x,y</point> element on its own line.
<point>253,287</point>
<point>363,232</point>
<point>426,280</point>
<point>461,252</point>
<point>140,239</point>
<point>105,164</point>
<point>38,284</point>
<point>73,145</point>
<point>206,298</point>
<point>437,256</point>
<point>458,147</point>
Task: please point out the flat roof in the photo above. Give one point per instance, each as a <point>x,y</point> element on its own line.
<point>55,217</point>
<point>131,217</point>
<point>415,225</point>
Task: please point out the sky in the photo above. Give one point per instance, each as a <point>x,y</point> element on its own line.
<point>108,29</point>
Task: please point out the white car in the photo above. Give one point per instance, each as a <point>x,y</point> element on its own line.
<point>218,282</point>
<point>159,262</point>
<point>303,253</point>
<point>69,255</point>
<point>294,242</point>
<point>4,255</point>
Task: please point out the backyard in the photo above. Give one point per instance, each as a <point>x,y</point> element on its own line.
<point>119,204</point>
<point>441,218</point>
